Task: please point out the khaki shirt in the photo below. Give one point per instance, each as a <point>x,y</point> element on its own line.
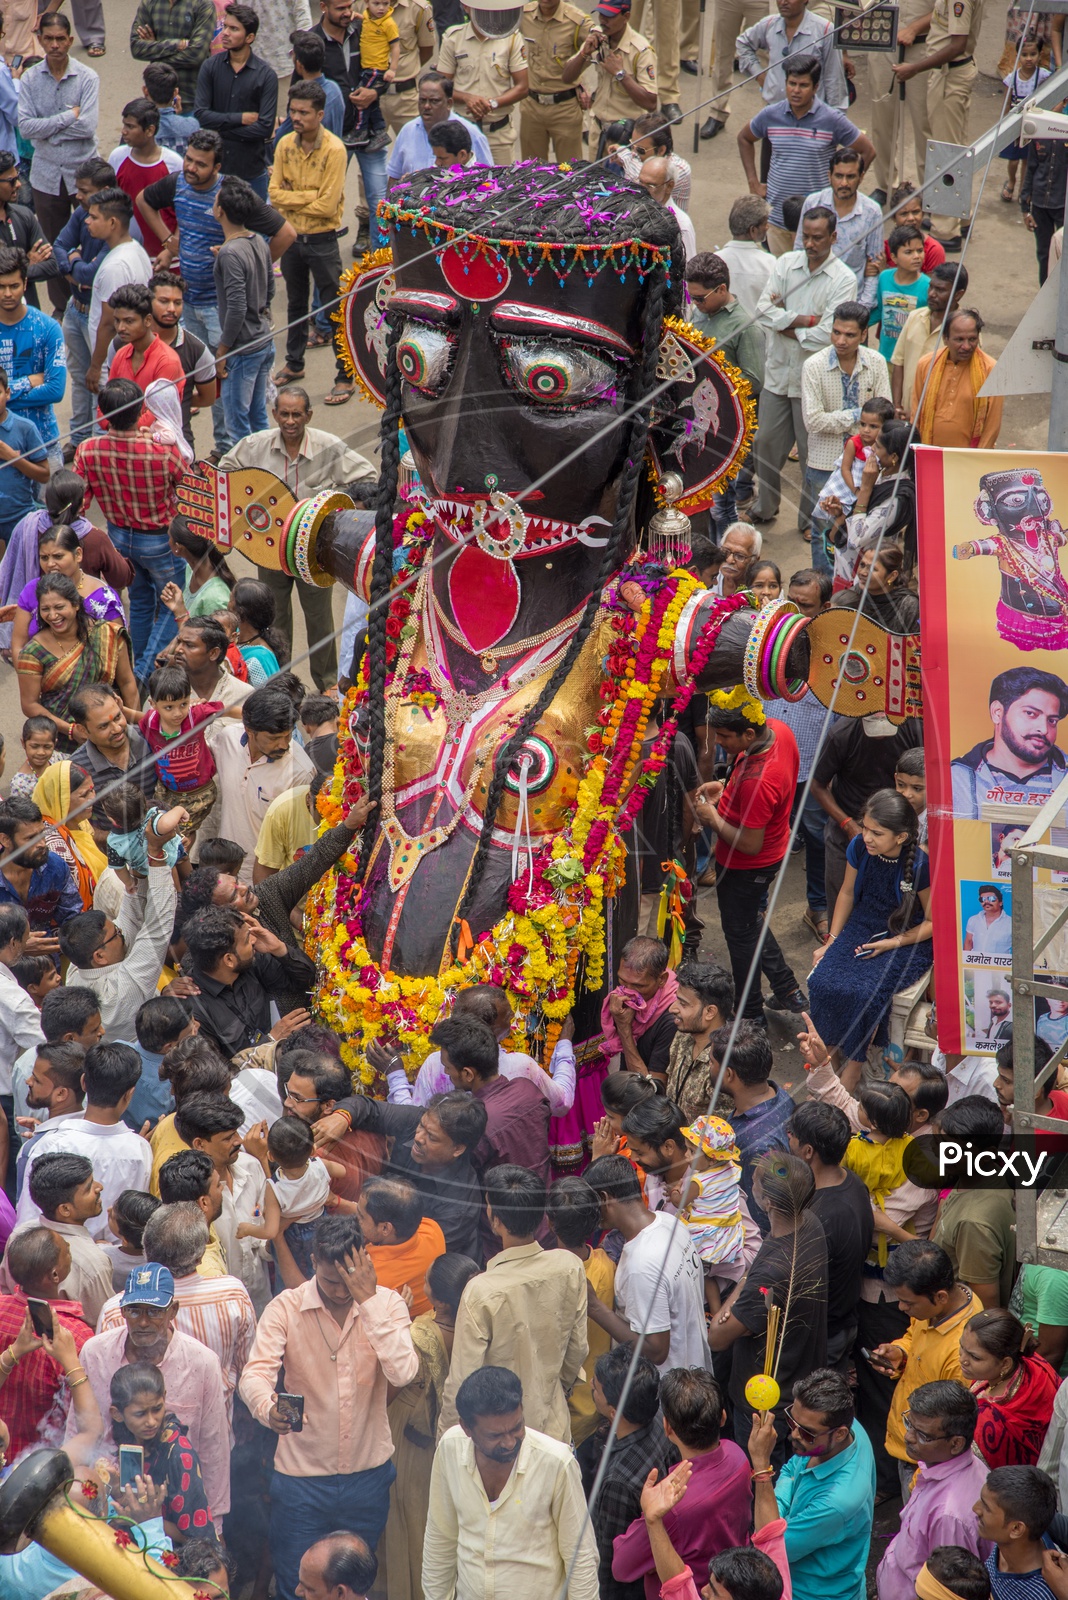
<point>916,339</point>
<point>415,26</point>
<point>482,66</point>
<point>611,101</point>
<point>550,42</point>
<point>955,16</point>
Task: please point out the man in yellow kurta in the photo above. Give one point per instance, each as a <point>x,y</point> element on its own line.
<point>950,412</point>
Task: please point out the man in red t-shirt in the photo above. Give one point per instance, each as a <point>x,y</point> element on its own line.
<point>750,816</point>
<point>34,1374</point>
<point>143,355</point>
<point>139,161</point>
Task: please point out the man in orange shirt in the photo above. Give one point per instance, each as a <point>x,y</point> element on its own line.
<point>946,407</point>
<point>400,1241</point>
<point>142,355</point>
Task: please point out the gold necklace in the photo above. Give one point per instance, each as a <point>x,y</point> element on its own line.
<point>489,659</point>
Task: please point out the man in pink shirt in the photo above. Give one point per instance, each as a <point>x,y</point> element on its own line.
<point>343,1341</point>
<point>939,1427</point>
<point>717,1510</point>
<point>193,1374</point>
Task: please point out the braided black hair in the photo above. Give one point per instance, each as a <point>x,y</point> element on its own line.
<point>893,812</point>
<point>381,581</point>
<point>643,385</point>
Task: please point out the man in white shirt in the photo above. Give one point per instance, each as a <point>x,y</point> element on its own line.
<point>796,311</point>
<point>256,761</point>
<point>306,459</point>
<point>493,1483</point>
<point>658,182</point>
<point>20,1022</point>
<point>124,261</point>
<point>121,1159</point>
<point>215,1311</point>
<point>121,961</point>
<point>210,1124</point>
<point>747,260</point>
<point>64,1189</point>
<point>968,1075</point>
<point>659,1285</point>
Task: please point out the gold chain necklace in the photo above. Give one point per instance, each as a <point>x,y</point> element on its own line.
<point>489,659</point>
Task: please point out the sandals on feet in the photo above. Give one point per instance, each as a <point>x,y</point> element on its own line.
<point>340,394</point>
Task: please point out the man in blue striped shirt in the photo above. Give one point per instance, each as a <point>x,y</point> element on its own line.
<point>803,132</point>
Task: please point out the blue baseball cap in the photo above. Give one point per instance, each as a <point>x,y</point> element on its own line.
<point>151,1285</point>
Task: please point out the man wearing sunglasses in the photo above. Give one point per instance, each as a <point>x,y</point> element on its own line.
<point>939,1427</point>
<point>825,1492</point>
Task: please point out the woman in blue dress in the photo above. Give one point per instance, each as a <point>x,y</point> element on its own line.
<point>880,933</point>
<point>263,645</point>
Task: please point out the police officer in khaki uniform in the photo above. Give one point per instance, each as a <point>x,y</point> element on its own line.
<point>665,25</point>
<point>626,65</point>
<point>952,34</point>
<point>487,62</point>
<point>912,29</point>
<point>552,31</point>
<point>418,41</point>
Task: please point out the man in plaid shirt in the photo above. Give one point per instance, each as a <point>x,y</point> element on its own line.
<point>640,1444</point>
<point>34,1392</point>
<point>134,481</point>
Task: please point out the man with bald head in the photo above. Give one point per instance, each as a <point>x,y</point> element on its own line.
<point>339,1567</point>
<point>656,179</point>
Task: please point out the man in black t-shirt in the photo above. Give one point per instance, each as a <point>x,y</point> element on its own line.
<point>820,1134</point>
<point>859,757</point>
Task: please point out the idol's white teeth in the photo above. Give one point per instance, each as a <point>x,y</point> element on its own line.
<point>540,531</point>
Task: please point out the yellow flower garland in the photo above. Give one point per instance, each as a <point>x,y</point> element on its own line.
<point>361,1003</point>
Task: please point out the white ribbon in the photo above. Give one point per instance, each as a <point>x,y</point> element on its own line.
<point>522,824</point>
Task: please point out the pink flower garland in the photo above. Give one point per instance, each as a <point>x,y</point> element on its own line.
<point>654,761</point>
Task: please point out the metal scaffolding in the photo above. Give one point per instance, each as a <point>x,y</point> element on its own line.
<point>1041,1217</point>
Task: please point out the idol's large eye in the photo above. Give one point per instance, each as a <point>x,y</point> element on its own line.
<point>424,356</point>
<point>558,373</point>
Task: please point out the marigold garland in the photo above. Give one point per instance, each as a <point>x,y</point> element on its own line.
<point>551,941</point>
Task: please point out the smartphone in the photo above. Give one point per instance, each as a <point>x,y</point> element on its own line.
<point>292,1408</point>
<point>16,62</point>
<point>131,1464</point>
<point>41,1317</point>
<point>873,939</point>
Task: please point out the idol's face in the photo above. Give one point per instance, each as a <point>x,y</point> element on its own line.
<point>519,394</point>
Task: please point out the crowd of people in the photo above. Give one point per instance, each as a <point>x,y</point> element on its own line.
<point>485,1332</point>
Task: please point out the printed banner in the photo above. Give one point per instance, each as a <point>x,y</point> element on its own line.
<point>995,636</point>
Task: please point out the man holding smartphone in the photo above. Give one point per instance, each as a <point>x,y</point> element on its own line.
<point>36,1369</point>
<point>342,1340</point>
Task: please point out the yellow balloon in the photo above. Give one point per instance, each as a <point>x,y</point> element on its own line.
<point>762,1393</point>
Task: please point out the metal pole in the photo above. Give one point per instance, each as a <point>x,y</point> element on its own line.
<point>702,64</point>
<point>1057,439</point>
<point>900,119</point>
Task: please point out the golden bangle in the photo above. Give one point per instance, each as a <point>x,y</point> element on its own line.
<point>72,1383</point>
<point>7,1371</point>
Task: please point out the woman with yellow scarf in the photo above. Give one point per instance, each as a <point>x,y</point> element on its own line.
<point>64,788</point>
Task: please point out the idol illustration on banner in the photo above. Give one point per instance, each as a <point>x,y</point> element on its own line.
<point>995,719</point>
